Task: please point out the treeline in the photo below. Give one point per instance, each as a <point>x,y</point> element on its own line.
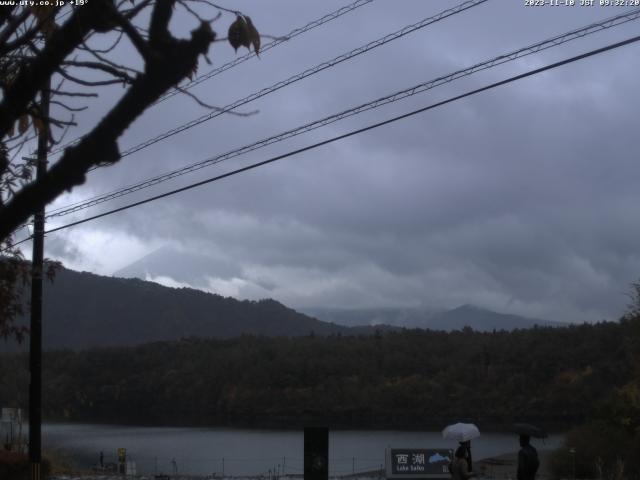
<point>606,446</point>
<point>414,378</point>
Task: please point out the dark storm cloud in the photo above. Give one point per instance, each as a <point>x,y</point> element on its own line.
<point>522,199</point>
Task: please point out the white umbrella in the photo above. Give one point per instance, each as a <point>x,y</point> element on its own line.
<point>461,432</point>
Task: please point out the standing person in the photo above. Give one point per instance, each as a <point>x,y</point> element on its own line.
<point>528,461</point>
<point>101,460</point>
<point>467,445</point>
<point>460,469</point>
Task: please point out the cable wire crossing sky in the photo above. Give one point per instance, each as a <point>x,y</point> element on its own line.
<point>520,199</point>
<point>414,90</point>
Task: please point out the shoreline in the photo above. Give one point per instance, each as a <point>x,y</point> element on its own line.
<point>295,424</point>
<point>505,466</point>
<point>500,467</point>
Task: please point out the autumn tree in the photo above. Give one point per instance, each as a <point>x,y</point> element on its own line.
<point>56,49</point>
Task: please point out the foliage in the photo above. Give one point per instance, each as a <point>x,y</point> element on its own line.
<point>408,379</point>
<point>634,305</point>
<point>14,277</point>
<point>15,466</point>
<point>607,445</point>
<point>597,447</point>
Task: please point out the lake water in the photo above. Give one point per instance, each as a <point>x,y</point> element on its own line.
<point>239,452</point>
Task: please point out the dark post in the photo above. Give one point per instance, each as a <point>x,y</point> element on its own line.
<point>35,339</point>
<point>316,453</point>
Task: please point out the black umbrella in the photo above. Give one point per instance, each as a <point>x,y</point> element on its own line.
<point>529,430</point>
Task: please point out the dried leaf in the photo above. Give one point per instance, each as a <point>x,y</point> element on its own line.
<point>23,123</point>
<point>52,267</point>
<point>238,33</point>
<point>38,124</point>
<point>243,33</point>
<point>254,36</point>
<point>193,72</point>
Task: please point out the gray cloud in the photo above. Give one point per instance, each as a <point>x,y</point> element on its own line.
<point>522,199</point>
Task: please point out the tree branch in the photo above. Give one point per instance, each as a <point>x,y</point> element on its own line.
<point>12,27</point>
<point>67,107</point>
<point>32,78</point>
<point>111,70</point>
<point>95,83</point>
<point>172,64</point>
<point>135,37</point>
<point>64,93</point>
<point>129,14</point>
<point>159,25</point>
<point>106,61</point>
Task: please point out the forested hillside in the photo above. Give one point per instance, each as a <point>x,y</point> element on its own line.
<point>551,376</point>
<point>83,310</point>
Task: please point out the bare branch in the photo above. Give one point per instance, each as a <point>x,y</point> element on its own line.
<point>129,14</point>
<point>60,44</point>
<point>19,147</point>
<point>53,141</point>
<point>235,12</point>
<point>100,66</point>
<point>11,28</point>
<point>23,139</point>
<point>108,49</point>
<point>63,93</point>
<point>135,37</point>
<point>212,107</point>
<point>88,83</point>
<point>67,107</point>
<point>196,15</point>
<point>172,64</point>
<point>106,61</point>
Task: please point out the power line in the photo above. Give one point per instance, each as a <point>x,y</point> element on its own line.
<point>294,33</point>
<point>358,131</point>
<point>307,73</point>
<point>13,245</point>
<point>537,47</point>
<point>265,48</point>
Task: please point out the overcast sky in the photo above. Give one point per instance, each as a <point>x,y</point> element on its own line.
<point>523,199</point>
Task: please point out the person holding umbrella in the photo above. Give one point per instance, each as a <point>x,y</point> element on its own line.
<point>460,469</point>
<point>467,446</point>
<point>528,461</point>
<point>463,433</point>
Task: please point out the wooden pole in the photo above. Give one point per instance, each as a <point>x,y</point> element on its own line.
<point>37,266</point>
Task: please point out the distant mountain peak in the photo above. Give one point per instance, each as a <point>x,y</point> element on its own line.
<point>183,267</point>
<point>468,306</point>
<point>478,318</point>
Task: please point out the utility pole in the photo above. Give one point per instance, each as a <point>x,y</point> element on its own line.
<point>37,266</point>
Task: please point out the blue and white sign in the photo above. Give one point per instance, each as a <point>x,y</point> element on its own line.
<point>418,462</point>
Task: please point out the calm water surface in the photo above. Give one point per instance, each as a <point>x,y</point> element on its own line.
<point>237,452</point>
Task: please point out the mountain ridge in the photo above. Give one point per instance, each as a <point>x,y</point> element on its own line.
<point>84,310</point>
<point>478,318</point>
